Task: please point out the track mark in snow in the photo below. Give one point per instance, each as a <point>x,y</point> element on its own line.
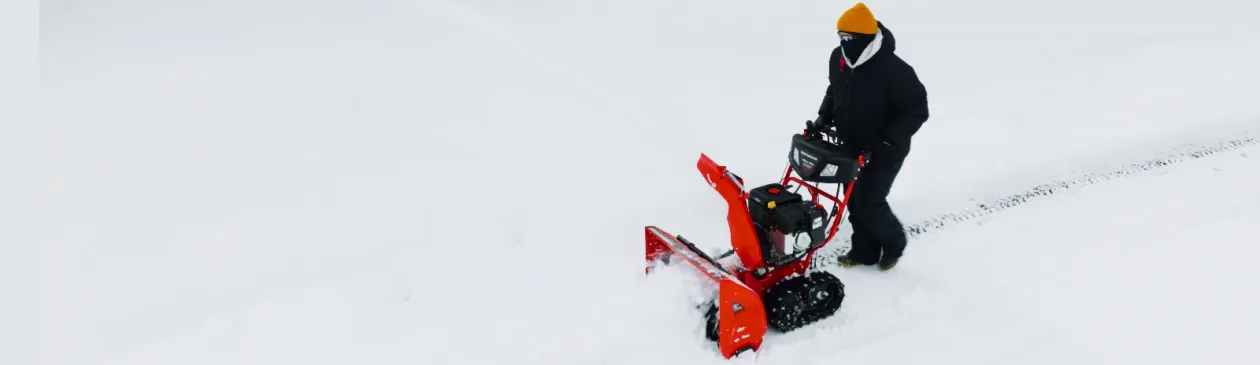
<point>829,256</point>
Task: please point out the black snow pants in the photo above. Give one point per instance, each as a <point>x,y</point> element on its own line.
<point>875,227</point>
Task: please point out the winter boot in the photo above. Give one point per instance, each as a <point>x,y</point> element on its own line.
<point>887,262</point>
<point>846,261</point>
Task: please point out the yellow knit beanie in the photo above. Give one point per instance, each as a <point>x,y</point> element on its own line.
<point>857,19</point>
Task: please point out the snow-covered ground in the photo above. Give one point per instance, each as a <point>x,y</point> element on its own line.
<point>466,182</point>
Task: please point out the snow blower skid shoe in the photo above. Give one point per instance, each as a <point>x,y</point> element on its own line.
<point>774,233</point>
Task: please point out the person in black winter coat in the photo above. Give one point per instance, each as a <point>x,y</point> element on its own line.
<point>875,103</point>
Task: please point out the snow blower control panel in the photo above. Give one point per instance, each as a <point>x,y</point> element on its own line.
<point>819,161</point>
<point>787,225</point>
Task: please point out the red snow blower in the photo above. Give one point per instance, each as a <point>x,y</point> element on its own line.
<point>774,234</point>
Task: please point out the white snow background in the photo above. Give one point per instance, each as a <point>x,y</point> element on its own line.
<point>466,182</point>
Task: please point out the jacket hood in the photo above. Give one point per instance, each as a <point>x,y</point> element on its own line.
<point>884,43</point>
<point>890,43</point>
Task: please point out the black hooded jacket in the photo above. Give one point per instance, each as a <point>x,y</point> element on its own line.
<point>880,100</point>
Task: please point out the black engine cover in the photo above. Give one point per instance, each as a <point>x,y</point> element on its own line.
<point>786,224</point>
<point>760,199</point>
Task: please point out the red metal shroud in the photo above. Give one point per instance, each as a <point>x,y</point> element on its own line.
<point>731,187</point>
<point>742,316</point>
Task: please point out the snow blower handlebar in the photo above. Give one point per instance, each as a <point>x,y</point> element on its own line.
<point>815,192</point>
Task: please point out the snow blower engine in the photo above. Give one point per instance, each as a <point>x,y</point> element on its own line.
<point>787,225</point>
<point>774,232</point>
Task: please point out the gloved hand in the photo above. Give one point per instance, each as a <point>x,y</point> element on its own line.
<point>818,125</point>
<point>866,154</point>
<point>884,147</point>
<point>811,127</point>
<point>823,119</point>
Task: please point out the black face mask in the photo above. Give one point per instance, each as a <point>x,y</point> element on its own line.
<point>855,44</point>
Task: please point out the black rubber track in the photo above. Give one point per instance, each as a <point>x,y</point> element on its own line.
<point>711,323</point>
<point>801,300</point>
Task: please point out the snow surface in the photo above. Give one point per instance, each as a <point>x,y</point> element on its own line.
<point>466,182</point>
